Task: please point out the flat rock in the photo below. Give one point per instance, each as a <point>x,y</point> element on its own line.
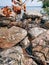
<point>36,13</point>
<point>12,36</point>
<point>36,31</point>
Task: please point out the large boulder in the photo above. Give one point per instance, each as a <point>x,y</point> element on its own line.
<point>10,37</point>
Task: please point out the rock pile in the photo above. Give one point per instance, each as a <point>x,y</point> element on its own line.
<point>25,41</point>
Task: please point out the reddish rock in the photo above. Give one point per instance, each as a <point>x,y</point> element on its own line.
<point>12,36</point>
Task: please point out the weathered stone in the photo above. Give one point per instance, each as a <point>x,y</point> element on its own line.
<point>25,43</point>
<point>30,61</point>
<point>43,40</point>
<point>31,16</point>
<point>46,24</point>
<point>41,44</point>
<point>13,56</point>
<point>37,48</point>
<point>36,31</point>
<point>36,13</point>
<point>5,22</point>
<point>12,36</point>
<point>40,57</point>
<point>38,20</point>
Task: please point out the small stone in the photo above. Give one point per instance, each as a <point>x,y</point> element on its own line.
<point>13,56</point>
<point>25,43</point>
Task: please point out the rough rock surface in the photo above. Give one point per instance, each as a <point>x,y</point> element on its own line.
<point>36,31</point>
<point>36,13</point>
<point>25,43</point>
<point>41,44</point>
<point>12,56</point>
<point>29,61</point>
<point>12,36</point>
<point>46,24</point>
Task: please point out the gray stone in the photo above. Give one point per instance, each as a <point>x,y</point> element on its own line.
<point>43,39</point>
<point>36,13</point>
<point>6,22</point>
<point>36,31</point>
<point>13,56</point>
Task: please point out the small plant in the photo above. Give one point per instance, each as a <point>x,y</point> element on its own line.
<point>46,10</point>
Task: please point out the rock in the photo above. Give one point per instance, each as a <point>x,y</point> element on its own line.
<point>41,44</point>
<point>30,61</point>
<point>38,20</point>
<point>40,58</point>
<point>16,23</point>
<point>46,24</point>
<point>25,43</point>
<point>12,36</point>
<point>31,16</point>
<point>45,17</point>
<point>41,40</point>
<point>4,23</point>
<point>36,13</point>
<point>32,25</point>
<point>37,48</point>
<point>13,56</point>
<point>13,24</point>
<point>36,31</point>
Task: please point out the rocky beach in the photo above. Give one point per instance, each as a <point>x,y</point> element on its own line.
<point>24,40</point>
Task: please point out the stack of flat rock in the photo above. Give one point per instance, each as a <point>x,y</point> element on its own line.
<point>25,41</point>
